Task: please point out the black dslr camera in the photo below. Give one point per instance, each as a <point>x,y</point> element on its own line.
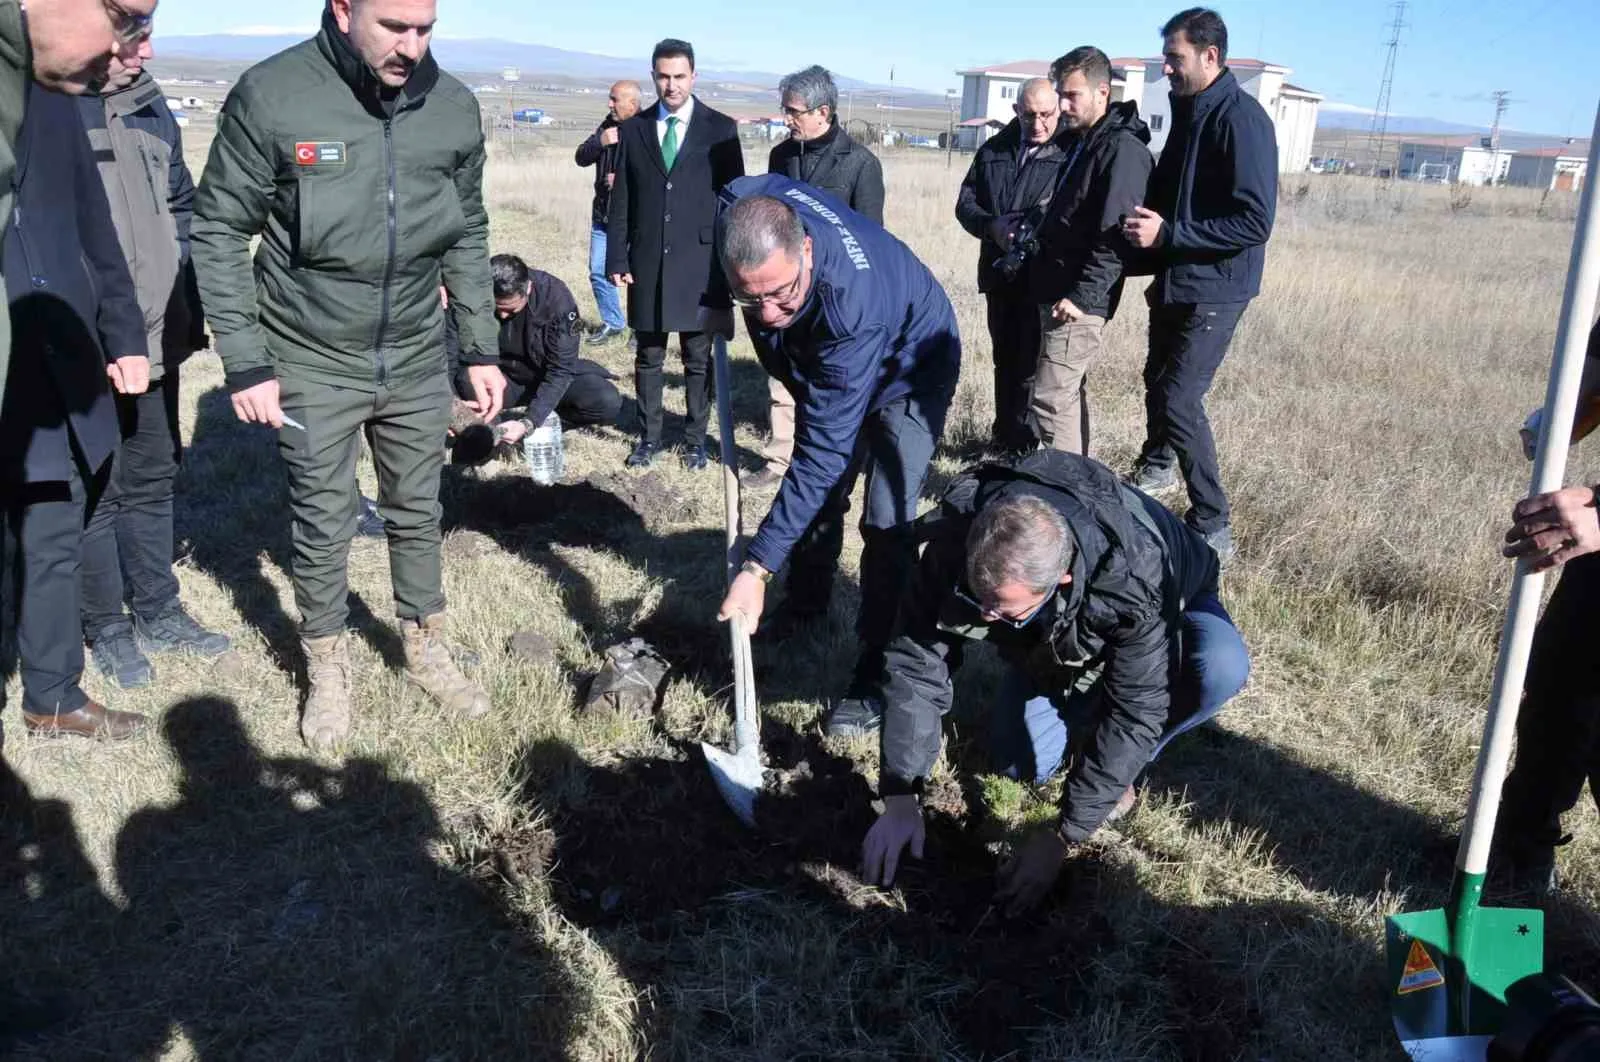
<point>1024,245</point>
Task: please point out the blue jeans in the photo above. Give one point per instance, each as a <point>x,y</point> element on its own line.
<point>1032,729</point>
<point>605,292</point>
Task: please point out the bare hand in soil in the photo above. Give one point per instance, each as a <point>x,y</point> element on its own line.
<point>900,824</point>
<point>747,595</point>
<point>1551,529</point>
<point>1029,873</point>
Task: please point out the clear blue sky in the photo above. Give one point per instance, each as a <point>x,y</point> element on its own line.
<point>1454,53</point>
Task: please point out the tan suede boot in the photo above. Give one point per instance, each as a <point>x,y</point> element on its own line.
<point>326,719</point>
<point>429,665</point>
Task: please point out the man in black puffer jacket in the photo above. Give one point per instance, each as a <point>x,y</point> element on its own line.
<point>1105,607</point>
<point>1077,280</point>
<point>820,153</point>
<point>1011,180</point>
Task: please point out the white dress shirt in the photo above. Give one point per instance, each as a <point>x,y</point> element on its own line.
<point>685,113</point>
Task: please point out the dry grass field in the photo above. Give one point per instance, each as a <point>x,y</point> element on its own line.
<point>552,884</point>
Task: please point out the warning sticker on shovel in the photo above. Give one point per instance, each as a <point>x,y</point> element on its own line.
<point>1420,972</point>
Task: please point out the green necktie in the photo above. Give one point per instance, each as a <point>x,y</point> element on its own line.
<point>669,143</point>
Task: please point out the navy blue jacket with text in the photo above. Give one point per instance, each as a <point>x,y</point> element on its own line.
<point>1216,184</point>
<point>875,327</point>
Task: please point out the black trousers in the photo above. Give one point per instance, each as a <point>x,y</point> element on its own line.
<point>591,400</point>
<point>1187,344</point>
<point>1558,729</point>
<point>127,549</point>
<point>1014,338</point>
<point>44,525</point>
<point>649,379</point>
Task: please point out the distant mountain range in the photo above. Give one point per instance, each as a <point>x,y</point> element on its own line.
<point>490,57</point>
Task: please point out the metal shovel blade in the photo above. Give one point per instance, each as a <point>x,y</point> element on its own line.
<point>1447,996</point>
<point>739,777</point>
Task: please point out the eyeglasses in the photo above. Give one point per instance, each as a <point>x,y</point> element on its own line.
<point>1029,117</point>
<point>128,27</point>
<point>1015,622</point>
<point>781,297</point>
<point>801,112</point>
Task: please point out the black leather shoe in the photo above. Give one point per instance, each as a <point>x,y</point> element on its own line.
<point>694,458</point>
<point>603,334</point>
<point>644,453</point>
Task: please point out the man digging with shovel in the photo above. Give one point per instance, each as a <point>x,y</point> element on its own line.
<point>1104,605</point>
<point>845,316</point>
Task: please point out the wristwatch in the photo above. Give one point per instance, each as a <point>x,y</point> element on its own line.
<point>750,567</point>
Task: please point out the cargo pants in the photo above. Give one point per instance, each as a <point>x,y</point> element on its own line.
<point>405,425</point>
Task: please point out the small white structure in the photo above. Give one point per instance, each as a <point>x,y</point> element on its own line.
<point>974,132</point>
<point>1556,169</point>
<point>1454,160</point>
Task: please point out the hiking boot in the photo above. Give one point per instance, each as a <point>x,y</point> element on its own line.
<point>1221,543</point>
<point>117,657</point>
<point>1154,479</point>
<point>429,665</point>
<point>855,716</point>
<point>325,722</point>
<point>173,630</point>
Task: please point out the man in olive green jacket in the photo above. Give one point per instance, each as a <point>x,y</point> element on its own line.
<point>360,165</point>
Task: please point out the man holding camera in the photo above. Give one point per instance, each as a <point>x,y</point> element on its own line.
<point>1077,274</point>
<point>1006,190</point>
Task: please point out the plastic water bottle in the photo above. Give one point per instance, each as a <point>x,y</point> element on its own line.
<point>542,449</point>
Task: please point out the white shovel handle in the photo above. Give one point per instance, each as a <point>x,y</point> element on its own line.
<point>1516,638</point>
<point>746,729</point>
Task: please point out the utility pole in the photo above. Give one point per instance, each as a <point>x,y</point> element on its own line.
<point>1502,103</point>
<point>950,135</point>
<point>891,105</point>
<point>1380,114</point>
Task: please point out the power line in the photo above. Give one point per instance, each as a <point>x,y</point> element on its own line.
<point>1380,114</point>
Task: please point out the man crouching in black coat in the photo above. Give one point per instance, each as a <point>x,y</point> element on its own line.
<point>1103,604</point>
<point>539,336</point>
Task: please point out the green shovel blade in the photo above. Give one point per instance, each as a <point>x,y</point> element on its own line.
<point>1445,985</point>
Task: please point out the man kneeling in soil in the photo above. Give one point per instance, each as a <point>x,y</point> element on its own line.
<point>538,349</point>
<point>1103,604</point>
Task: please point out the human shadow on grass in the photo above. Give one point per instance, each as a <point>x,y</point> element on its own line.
<point>1327,832</point>
<point>631,516</point>
<point>767,942</point>
<point>235,507</point>
<point>279,908</point>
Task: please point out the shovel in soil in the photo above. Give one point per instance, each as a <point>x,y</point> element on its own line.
<point>739,773</point>
<point>1449,968</point>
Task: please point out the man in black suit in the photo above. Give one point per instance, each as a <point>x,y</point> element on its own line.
<point>75,320</point>
<point>676,156</point>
